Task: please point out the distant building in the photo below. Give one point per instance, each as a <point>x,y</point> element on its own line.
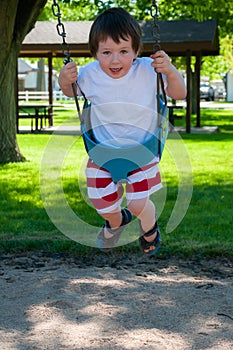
<point>229,85</point>
<point>28,76</point>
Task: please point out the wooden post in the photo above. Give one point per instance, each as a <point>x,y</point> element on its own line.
<point>189,94</point>
<point>50,84</point>
<point>16,98</point>
<point>198,77</point>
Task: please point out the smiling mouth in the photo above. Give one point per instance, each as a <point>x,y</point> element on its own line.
<point>115,70</point>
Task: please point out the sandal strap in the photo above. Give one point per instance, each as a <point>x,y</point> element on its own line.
<point>126,218</point>
<point>151,231</point>
<point>152,246</point>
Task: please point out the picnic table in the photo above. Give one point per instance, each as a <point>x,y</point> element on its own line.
<point>39,114</point>
<point>172,116</point>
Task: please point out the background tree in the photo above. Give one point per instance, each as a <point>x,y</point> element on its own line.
<point>17,17</point>
<point>222,10</point>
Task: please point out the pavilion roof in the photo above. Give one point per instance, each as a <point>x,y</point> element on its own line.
<point>177,37</point>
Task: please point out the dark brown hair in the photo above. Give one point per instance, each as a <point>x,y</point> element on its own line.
<point>117,24</point>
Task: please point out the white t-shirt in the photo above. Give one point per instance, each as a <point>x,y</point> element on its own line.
<point>124,110</point>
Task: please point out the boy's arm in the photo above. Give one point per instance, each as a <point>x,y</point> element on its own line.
<point>175,83</point>
<point>67,77</point>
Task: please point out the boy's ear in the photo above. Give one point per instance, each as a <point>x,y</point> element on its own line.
<point>135,56</point>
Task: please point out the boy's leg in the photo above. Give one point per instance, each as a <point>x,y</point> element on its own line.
<point>142,183</point>
<point>144,210</point>
<point>149,238</point>
<point>114,219</point>
<point>106,197</point>
<point>108,236</point>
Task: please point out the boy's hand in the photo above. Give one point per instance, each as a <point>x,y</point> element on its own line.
<point>67,77</point>
<point>175,82</point>
<point>68,74</point>
<point>162,63</point>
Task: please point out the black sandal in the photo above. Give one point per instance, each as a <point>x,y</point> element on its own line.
<point>106,244</point>
<point>150,248</point>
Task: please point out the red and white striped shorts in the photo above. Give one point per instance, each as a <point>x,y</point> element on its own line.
<point>106,196</point>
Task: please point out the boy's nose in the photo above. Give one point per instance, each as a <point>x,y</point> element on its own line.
<point>115,57</point>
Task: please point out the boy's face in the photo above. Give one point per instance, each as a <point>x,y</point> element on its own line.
<point>115,59</point>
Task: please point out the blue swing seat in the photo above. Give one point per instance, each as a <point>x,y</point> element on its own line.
<point>121,161</point>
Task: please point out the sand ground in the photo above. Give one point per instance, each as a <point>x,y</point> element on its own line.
<point>56,302</point>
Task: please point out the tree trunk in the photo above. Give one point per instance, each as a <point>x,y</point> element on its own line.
<point>8,142</point>
<point>17,17</point>
<point>9,151</point>
<point>41,75</point>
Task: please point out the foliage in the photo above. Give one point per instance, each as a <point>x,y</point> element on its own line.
<point>217,66</point>
<point>214,67</point>
<point>221,10</point>
<point>71,11</point>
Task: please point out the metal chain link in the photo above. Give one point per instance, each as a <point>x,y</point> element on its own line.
<point>155,31</point>
<point>61,31</point>
<point>65,49</point>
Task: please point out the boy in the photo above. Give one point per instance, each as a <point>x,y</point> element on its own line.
<point>116,80</point>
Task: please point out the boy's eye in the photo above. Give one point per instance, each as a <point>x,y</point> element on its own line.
<point>106,52</point>
<point>123,52</point>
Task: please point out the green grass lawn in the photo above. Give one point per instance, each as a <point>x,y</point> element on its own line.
<point>53,178</point>
<point>210,117</point>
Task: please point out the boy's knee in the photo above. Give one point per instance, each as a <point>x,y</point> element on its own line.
<point>111,215</point>
<point>136,207</point>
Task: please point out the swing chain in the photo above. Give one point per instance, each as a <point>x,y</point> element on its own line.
<point>154,11</point>
<point>61,31</point>
<point>65,48</point>
<point>155,31</point>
